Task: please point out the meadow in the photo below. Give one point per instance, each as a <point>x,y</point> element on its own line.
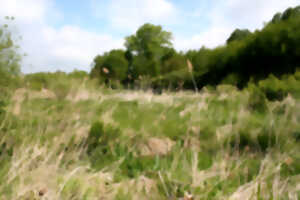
<point>151,122</point>
<point>64,137</point>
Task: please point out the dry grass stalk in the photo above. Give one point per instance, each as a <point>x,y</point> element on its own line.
<point>190,69</point>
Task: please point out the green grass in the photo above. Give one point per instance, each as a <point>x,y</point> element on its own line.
<point>88,142</point>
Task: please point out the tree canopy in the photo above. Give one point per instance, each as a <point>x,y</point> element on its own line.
<point>246,56</point>
<point>238,35</point>
<point>111,65</point>
<point>9,58</point>
<point>148,41</point>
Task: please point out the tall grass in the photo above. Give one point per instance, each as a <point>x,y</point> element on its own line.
<point>91,143</point>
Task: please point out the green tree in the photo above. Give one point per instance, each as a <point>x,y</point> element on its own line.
<point>148,47</point>
<point>286,15</point>
<point>9,64</point>
<point>238,34</point>
<point>111,66</point>
<point>9,58</point>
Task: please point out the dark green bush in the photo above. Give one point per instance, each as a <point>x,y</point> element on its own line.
<point>246,141</point>
<point>273,88</point>
<point>266,139</point>
<point>95,134</point>
<point>242,141</point>
<point>133,166</point>
<point>99,145</point>
<point>257,99</point>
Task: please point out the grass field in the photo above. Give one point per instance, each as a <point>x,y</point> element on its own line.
<point>71,139</point>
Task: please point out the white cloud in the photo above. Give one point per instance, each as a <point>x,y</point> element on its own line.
<point>248,14</point>
<point>29,10</point>
<point>228,15</point>
<point>68,47</point>
<point>49,48</point>
<point>130,14</point>
<point>213,37</point>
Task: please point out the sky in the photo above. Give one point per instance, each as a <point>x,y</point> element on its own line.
<point>67,34</point>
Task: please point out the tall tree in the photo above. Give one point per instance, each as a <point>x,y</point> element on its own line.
<point>238,34</point>
<point>148,47</point>
<point>111,65</point>
<point>9,57</point>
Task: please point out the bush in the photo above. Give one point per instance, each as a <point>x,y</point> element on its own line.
<point>257,99</point>
<point>76,74</point>
<point>38,81</point>
<point>61,90</point>
<point>99,148</point>
<point>242,141</point>
<point>134,166</point>
<point>266,139</point>
<point>9,57</point>
<point>247,141</point>
<point>273,88</point>
<point>255,134</point>
<point>93,140</point>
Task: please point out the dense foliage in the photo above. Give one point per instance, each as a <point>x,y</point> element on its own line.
<point>9,64</point>
<point>149,57</point>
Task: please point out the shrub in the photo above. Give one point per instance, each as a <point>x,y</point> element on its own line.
<point>134,166</point>
<point>9,57</point>
<point>257,99</point>
<point>266,139</point>
<point>77,74</point>
<point>241,141</point>
<point>61,90</point>
<point>99,148</point>
<point>37,81</point>
<point>273,88</point>
<point>96,132</point>
<point>247,141</point>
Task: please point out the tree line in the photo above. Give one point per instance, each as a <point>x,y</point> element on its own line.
<point>150,60</point>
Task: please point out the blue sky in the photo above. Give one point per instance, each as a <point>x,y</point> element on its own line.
<point>94,16</point>
<point>68,34</point>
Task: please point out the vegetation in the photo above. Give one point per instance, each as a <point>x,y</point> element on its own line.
<point>69,136</point>
<point>117,144</point>
<point>149,57</point>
